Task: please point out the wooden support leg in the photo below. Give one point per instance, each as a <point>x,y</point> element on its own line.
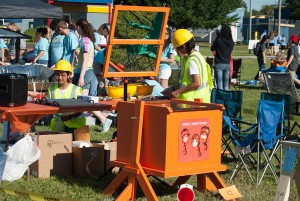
<point>116,183</point>
<point>146,187</point>
<point>216,180</point>
<point>126,193</point>
<point>181,180</point>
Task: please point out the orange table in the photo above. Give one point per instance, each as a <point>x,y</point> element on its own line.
<point>22,117</point>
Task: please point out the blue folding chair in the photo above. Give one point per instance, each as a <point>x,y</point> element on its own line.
<point>232,101</point>
<point>264,136</point>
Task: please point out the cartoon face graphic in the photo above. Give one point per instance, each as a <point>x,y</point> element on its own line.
<point>185,135</point>
<point>196,143</point>
<point>195,140</point>
<point>204,132</point>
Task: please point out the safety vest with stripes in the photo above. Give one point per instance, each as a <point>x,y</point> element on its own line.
<point>203,91</point>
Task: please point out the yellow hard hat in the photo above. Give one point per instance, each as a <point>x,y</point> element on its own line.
<point>180,37</point>
<point>63,65</point>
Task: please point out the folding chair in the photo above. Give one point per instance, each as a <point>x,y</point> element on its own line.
<point>236,74</point>
<point>287,105</point>
<point>282,83</point>
<point>232,101</point>
<point>263,136</point>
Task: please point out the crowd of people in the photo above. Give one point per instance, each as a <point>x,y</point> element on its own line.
<point>289,63</point>
<point>72,50</point>
<point>75,44</point>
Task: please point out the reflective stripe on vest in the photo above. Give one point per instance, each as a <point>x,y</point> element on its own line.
<point>201,91</point>
<point>52,90</point>
<point>202,72</point>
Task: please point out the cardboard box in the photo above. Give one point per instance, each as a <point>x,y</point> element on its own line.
<point>56,155</point>
<point>110,154</point>
<point>88,161</point>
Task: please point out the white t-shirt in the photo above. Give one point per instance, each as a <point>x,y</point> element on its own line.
<point>194,70</point>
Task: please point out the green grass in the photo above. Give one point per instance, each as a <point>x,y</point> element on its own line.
<point>91,189</point>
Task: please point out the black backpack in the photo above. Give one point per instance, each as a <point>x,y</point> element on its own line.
<point>256,49</point>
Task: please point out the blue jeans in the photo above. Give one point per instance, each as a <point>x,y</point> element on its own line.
<point>261,66</point>
<point>222,76</point>
<point>90,82</point>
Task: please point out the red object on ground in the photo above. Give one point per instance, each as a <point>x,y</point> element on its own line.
<point>185,194</point>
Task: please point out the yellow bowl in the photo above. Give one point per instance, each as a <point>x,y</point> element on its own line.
<point>144,90</point>
<point>118,91</point>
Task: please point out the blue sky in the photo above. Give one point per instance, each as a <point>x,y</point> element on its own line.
<point>256,4</point>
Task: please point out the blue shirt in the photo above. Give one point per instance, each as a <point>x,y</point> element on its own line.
<point>166,55</point>
<point>157,89</point>
<point>97,40</point>
<point>2,44</point>
<point>85,46</point>
<point>56,48</point>
<point>41,45</point>
<point>70,44</point>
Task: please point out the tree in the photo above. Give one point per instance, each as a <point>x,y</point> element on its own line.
<point>294,5</point>
<point>267,10</point>
<point>195,13</point>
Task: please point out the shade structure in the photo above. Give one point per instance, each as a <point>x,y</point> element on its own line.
<point>28,9</point>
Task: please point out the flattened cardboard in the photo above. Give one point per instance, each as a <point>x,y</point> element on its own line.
<point>88,161</point>
<point>230,193</point>
<point>56,155</point>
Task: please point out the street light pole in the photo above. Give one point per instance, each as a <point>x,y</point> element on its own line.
<point>279,16</point>
<point>250,20</point>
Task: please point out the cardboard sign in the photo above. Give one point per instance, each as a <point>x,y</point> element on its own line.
<point>297,179</point>
<point>193,140</point>
<point>230,193</point>
<point>284,185</point>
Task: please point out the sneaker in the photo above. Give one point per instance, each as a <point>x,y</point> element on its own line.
<point>106,125</point>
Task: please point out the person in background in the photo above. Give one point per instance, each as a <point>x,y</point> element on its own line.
<point>56,47</point>
<point>261,55</point>
<point>166,59</point>
<point>41,47</point>
<point>292,56</point>
<point>282,43</point>
<point>223,46</point>
<point>64,89</point>
<point>2,48</point>
<point>263,34</point>
<point>279,60</point>
<point>276,44</point>
<point>271,43</point>
<point>103,31</point>
<point>194,79</point>
<point>12,45</point>
<point>70,42</point>
<point>97,46</point>
<point>84,75</point>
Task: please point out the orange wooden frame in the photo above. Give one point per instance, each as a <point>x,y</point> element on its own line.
<point>112,41</point>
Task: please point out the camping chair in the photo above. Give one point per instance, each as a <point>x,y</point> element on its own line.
<point>232,101</point>
<point>282,83</point>
<point>236,74</point>
<point>261,137</point>
<point>287,105</point>
<point>143,56</point>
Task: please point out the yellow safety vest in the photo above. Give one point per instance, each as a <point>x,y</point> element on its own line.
<point>71,92</point>
<point>203,91</point>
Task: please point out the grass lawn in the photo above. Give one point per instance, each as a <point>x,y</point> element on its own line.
<point>91,189</point>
